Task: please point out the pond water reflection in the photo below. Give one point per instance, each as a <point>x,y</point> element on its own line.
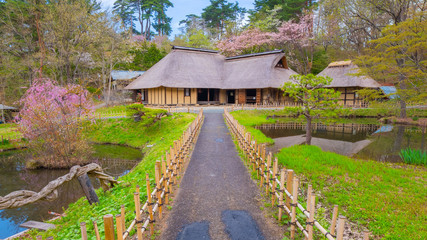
<point>116,160</point>
<point>365,141</point>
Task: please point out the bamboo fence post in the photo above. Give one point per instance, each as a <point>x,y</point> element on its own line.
<point>137,189</point>
<point>165,181</point>
<point>267,180</point>
<point>138,218</point>
<point>309,192</point>
<point>169,169</point>
<point>95,226</point>
<point>119,227</point>
<point>262,173</point>
<point>310,222</point>
<point>294,207</point>
<point>83,230</point>
<point>340,229</point>
<point>289,182</point>
<point>123,218</point>
<point>109,227</point>
<point>273,188</point>
<point>366,235</point>
<point>158,187</point>
<point>150,203</point>
<point>334,220</point>
<point>282,189</point>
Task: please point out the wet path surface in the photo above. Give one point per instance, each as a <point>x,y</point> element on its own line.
<point>217,198</point>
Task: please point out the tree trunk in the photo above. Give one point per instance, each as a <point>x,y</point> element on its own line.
<point>308,131</point>
<point>402,108</point>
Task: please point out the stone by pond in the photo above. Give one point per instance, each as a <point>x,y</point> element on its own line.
<point>365,141</point>
<point>116,160</point>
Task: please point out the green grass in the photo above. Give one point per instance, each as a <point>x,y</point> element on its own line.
<point>388,199</point>
<point>124,131</point>
<point>252,118</point>
<point>414,156</point>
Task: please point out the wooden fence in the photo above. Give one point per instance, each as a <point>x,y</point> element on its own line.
<point>283,187</point>
<point>166,173</point>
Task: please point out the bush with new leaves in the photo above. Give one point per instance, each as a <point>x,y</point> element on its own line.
<point>52,119</point>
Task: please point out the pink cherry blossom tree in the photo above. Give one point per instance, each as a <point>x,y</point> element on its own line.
<point>52,119</point>
<point>295,37</point>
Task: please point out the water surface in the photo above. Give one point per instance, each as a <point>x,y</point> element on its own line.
<point>365,141</point>
<point>116,160</point>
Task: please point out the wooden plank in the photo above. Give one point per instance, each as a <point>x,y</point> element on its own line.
<point>37,225</point>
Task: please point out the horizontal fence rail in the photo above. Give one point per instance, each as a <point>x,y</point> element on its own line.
<point>283,187</point>
<point>166,172</point>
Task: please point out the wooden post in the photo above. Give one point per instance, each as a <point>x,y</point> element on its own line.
<point>88,189</point>
<point>340,229</point>
<point>294,207</point>
<point>123,218</point>
<point>273,188</point>
<point>109,227</point>
<point>267,180</point>
<point>309,193</point>
<point>138,217</point>
<point>282,189</point>
<point>334,220</point>
<point>289,181</point>
<point>158,187</point>
<point>119,227</point>
<point>150,207</point>
<point>83,230</point>
<point>165,181</point>
<point>95,226</point>
<point>311,218</point>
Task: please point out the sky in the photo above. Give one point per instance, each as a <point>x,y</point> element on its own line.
<point>184,7</point>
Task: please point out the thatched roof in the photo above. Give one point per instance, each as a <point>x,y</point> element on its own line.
<point>200,68</point>
<point>342,76</point>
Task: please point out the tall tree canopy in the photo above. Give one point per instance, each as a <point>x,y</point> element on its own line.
<point>219,12</point>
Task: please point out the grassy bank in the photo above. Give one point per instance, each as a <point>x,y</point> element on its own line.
<point>159,136</point>
<point>252,118</point>
<point>388,199</point>
<point>9,131</point>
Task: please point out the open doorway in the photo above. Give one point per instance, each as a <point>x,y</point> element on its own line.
<point>207,95</point>
<point>231,96</point>
<point>250,95</point>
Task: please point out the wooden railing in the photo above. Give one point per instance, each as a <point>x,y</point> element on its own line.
<point>166,172</point>
<point>283,187</point>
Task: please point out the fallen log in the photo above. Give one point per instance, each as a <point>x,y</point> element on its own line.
<point>49,192</point>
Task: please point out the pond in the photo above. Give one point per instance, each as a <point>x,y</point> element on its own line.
<point>365,141</point>
<point>116,160</point>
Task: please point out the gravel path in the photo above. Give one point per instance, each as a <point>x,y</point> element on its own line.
<point>217,198</point>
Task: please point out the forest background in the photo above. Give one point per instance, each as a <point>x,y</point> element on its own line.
<point>78,42</point>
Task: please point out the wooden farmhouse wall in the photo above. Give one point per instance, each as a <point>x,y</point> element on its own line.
<point>171,96</point>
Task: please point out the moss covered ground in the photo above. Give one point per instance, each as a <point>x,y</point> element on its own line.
<point>159,136</point>
<point>388,199</point>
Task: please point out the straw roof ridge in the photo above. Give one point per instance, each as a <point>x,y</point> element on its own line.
<point>194,49</point>
<point>254,54</point>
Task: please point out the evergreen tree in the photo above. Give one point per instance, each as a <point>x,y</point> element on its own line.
<point>219,12</point>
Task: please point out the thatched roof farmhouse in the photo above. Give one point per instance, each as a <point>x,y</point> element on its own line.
<point>345,80</point>
<point>200,76</point>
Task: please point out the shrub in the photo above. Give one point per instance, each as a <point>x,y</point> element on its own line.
<point>51,119</point>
